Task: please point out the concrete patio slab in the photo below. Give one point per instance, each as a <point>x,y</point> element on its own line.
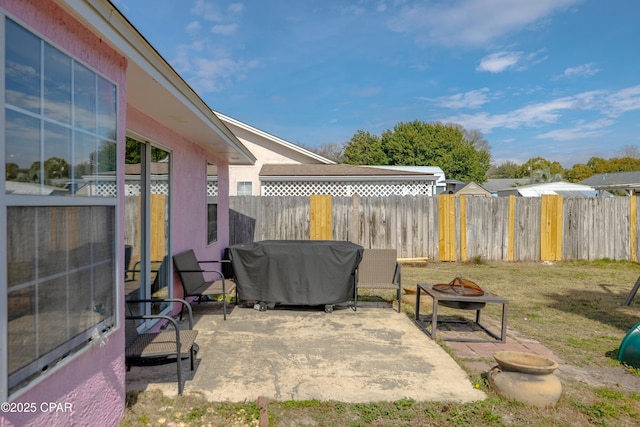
<point>368,355</point>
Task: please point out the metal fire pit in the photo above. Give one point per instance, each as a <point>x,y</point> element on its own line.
<point>461,287</point>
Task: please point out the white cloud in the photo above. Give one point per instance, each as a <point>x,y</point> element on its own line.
<point>193,27</point>
<point>608,104</point>
<point>532,115</point>
<point>581,130</point>
<point>622,101</point>
<point>224,29</point>
<point>470,99</point>
<point>499,61</point>
<point>207,11</point>
<point>236,8</point>
<point>472,22</point>
<point>584,70</point>
<point>213,75</point>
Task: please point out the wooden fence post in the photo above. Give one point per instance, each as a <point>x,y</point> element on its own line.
<point>320,217</point>
<point>447,226</point>
<point>551,228</point>
<point>512,228</point>
<point>463,228</point>
<point>633,228</point>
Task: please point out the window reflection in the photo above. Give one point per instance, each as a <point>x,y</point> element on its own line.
<point>212,203</point>
<point>57,85</point>
<point>61,141</point>
<point>84,97</point>
<point>22,68</point>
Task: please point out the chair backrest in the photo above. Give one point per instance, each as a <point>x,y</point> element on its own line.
<point>160,281</point>
<point>131,329</point>
<point>377,266</point>
<point>189,270</point>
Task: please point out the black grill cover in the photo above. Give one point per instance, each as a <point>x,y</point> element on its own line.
<point>305,272</point>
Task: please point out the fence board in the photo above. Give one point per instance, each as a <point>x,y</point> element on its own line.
<point>501,229</point>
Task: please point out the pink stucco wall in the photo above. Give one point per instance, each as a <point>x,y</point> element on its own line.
<point>189,188</point>
<point>90,388</point>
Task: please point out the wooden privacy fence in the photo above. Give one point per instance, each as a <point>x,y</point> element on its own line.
<point>449,228</point>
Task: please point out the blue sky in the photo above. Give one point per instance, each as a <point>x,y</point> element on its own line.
<point>558,79</point>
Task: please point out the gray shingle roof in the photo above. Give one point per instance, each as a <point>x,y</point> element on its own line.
<point>333,170</point>
<point>612,178</point>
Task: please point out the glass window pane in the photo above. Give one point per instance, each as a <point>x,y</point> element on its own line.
<point>84,156</point>
<point>21,247</point>
<point>53,328</point>
<point>212,203</point>
<point>107,157</point>
<point>21,343</point>
<point>51,241</point>
<point>61,274</point>
<point>57,85</point>
<point>22,68</point>
<point>57,155</point>
<point>80,302</point>
<point>107,107</point>
<point>22,153</point>
<point>84,97</point>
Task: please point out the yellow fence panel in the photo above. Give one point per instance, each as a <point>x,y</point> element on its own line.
<point>551,228</point>
<point>447,227</point>
<point>320,217</point>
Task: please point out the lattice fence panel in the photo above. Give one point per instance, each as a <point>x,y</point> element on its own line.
<point>344,189</point>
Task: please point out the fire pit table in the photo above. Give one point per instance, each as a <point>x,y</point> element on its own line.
<point>296,272</point>
<point>463,302</point>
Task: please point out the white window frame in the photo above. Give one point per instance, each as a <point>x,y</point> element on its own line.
<point>82,342</point>
<point>241,189</point>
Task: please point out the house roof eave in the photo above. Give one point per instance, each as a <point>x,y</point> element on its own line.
<point>154,87</point>
<point>361,178</point>
<point>275,139</point>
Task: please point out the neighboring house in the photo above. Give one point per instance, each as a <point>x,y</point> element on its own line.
<point>472,189</point>
<point>452,185</point>
<point>561,188</point>
<point>440,184</point>
<point>84,93</point>
<point>628,182</point>
<point>275,153</point>
<point>268,149</point>
<point>342,181</point>
<point>493,185</point>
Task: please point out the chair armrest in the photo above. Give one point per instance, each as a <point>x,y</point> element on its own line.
<point>178,300</point>
<point>396,275</point>
<point>219,273</point>
<point>168,318</point>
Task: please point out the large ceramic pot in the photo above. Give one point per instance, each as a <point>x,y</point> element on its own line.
<point>525,377</point>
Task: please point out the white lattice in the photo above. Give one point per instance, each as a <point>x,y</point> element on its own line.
<point>212,188</point>
<point>345,189</point>
<point>105,189</point>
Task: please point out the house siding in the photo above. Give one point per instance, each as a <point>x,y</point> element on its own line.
<point>189,189</point>
<point>91,384</point>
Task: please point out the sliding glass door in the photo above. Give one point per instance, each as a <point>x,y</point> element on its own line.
<point>147,225</point>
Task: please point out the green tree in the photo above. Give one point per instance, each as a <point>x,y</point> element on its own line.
<point>11,171</point>
<point>578,172</point>
<point>597,165</point>
<point>330,150</point>
<point>423,144</point>
<point>527,169</point>
<point>623,164</point>
<point>365,149</point>
<point>56,168</point>
<point>507,169</point>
